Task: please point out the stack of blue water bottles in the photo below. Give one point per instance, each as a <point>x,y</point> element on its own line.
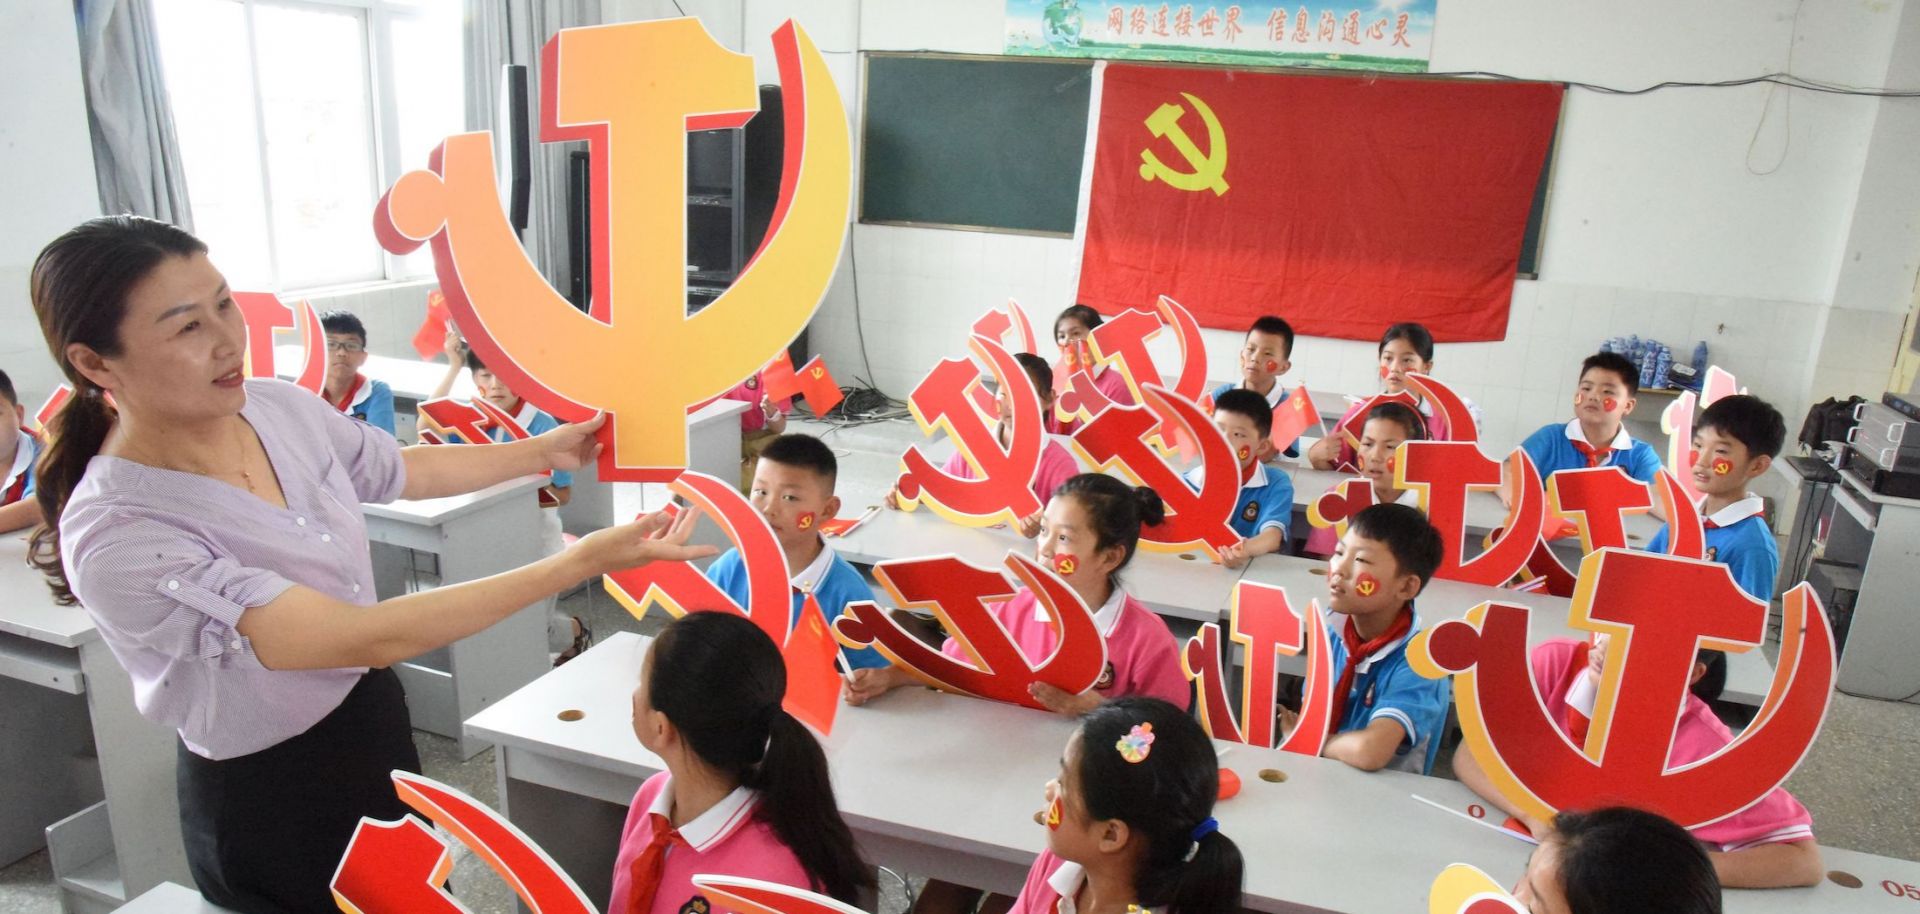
<point>1655,360</point>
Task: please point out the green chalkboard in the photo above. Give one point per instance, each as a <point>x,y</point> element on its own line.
<point>991,143</point>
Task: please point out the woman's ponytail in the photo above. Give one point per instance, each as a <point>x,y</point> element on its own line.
<point>797,802</point>
<point>79,286</point>
<point>74,436</point>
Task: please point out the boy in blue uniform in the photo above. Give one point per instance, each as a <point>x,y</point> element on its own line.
<point>1265,506</point>
<point>1597,436</point>
<point>793,489</point>
<point>1385,714</point>
<point>1267,355</point>
<point>19,449</point>
<point>1735,442</point>
<point>346,388</point>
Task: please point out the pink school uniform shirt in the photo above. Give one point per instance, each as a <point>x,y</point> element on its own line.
<point>1142,658</point>
<point>727,840</point>
<point>750,391</point>
<point>1056,466</point>
<point>1051,886</point>
<point>1776,819</point>
<point>1111,384</point>
<point>1437,429</point>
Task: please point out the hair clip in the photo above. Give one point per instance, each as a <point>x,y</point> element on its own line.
<point>1207,826</point>
<point>1138,742</point>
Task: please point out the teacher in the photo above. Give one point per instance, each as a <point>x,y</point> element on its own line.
<point>210,524</point>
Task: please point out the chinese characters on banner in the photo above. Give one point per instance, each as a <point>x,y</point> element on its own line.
<point>1394,37</point>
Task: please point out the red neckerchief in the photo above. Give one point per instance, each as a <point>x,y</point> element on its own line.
<point>18,490</point>
<point>645,871</point>
<point>1357,651</point>
<point>1595,455</point>
<point>1247,471</point>
<point>1576,722</point>
<point>346,399</point>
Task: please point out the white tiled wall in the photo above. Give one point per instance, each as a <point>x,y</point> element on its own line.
<point>392,312</point>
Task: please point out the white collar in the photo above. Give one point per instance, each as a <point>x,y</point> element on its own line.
<point>1621,440</point>
<point>22,457</point>
<point>713,826</point>
<point>364,391</point>
<point>1584,693</point>
<point>1066,882</point>
<point>526,414</point>
<point>1387,648</point>
<point>807,580</point>
<point>1736,512</point>
<point>1104,618</point>
<point>1408,497</point>
<point>1198,476</point>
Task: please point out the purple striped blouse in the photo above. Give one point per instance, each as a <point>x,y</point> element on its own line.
<point>165,562</point>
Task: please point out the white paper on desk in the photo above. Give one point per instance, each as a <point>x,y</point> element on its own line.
<point>1480,822</point>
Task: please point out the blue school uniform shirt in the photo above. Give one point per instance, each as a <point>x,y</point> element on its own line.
<point>1266,501</point>
<point>1737,537</point>
<point>373,404</point>
<point>832,581</point>
<point>17,483</point>
<point>536,421</point>
<point>1386,686</point>
<point>1552,449</point>
<point>1275,397</point>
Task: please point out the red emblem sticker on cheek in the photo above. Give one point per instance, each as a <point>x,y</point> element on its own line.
<point>1053,813</point>
<point>805,522</point>
<point>1609,404</point>
<point>1391,463</point>
<point>1365,584</point>
<point>1065,562</point>
<point>1384,371</point>
<point>1722,467</point>
<point>1245,452</point>
<point>1272,366</point>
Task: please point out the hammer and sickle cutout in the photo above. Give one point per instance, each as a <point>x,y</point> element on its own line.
<point>679,587</point>
<point>998,322</point>
<point>1464,889</point>
<point>1444,472</point>
<point>1265,625</point>
<point>1001,489</point>
<point>1209,168</point>
<point>1631,595</point>
<point>961,594</point>
<point>1596,500</point>
<point>622,355</point>
<point>1118,439</point>
<point>401,866</point>
<point>264,313</point>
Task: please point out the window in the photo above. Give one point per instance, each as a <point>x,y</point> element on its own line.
<point>294,116</point>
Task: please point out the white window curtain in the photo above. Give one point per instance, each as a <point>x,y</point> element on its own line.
<point>501,32</point>
<point>136,155</point>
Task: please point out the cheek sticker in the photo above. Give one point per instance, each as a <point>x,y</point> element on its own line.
<point>1053,814</point>
<point>1384,371</point>
<point>1722,467</point>
<point>1272,366</point>
<point>1391,463</point>
<point>1065,562</point>
<point>805,522</point>
<point>1366,585</point>
<point>1245,452</point>
<point>1609,404</point>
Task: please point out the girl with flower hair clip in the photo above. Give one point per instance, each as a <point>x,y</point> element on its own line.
<point>1130,820</point>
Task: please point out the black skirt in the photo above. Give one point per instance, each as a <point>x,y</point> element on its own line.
<point>265,832</point>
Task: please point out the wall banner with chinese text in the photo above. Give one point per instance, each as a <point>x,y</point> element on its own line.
<point>1388,35</point>
<point>1345,203</point>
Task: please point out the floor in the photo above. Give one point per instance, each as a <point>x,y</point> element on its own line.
<point>1859,780</point>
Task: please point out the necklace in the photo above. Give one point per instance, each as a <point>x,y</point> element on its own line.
<point>240,444</point>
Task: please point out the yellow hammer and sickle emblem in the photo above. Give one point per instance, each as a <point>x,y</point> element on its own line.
<point>1209,169</point>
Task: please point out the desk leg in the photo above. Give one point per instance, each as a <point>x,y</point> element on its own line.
<point>137,773</point>
<point>47,756</point>
<point>1885,637</point>
<point>492,664</point>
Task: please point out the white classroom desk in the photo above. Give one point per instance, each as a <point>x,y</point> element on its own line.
<point>75,745</point>
<point>1183,586</point>
<point>1880,534</point>
<point>410,379</point>
<point>1749,674</point>
<point>474,535</point>
<point>948,786</point>
<point>171,898</point>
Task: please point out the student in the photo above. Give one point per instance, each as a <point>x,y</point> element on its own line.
<point>567,635</point>
<point>1267,354</point>
<point>1070,332</point>
<point>1597,435</point>
<point>1735,442</point>
<point>1404,349</point>
<point>1385,715</point>
<point>1618,861</point>
<point>1095,520</point>
<point>793,489</point>
<point>761,422</point>
<point>1130,822</point>
<point>1388,426</point>
<point>210,524</point>
<point>1767,845</point>
<point>1265,504</point>
<point>346,388</point>
<point>19,449</point>
<point>1056,465</point>
<point>746,791</point>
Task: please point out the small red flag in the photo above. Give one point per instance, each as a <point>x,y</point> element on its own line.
<point>812,382</point>
<point>1292,417</point>
<point>431,338</point>
<point>813,679</point>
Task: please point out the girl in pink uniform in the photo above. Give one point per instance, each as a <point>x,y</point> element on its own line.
<point>1130,820</point>
<point>745,792</point>
<point>1089,532</point>
<point>1070,332</point>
